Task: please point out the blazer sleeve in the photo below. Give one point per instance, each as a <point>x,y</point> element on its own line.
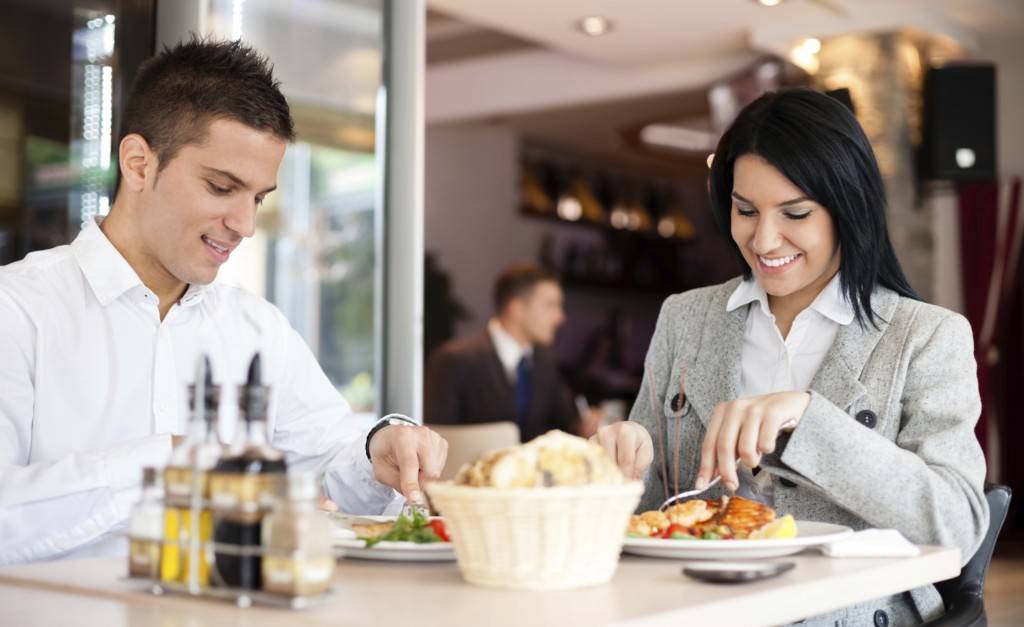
<point>928,482</point>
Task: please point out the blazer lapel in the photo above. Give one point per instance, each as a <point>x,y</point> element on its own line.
<point>838,378</point>
<point>714,376</point>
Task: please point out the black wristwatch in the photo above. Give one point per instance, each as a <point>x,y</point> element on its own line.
<point>390,419</point>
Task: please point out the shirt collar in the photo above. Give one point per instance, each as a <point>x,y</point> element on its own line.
<point>108,273</point>
<point>830,302</point>
<point>509,351</point>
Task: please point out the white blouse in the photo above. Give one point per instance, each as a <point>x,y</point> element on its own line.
<point>773,364</point>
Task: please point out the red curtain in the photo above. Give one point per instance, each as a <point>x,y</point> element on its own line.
<point>991,229</point>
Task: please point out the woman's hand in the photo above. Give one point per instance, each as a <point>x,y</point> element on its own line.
<point>629,445</point>
<point>746,428</point>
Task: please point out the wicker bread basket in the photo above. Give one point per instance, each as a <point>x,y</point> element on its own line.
<point>537,538</point>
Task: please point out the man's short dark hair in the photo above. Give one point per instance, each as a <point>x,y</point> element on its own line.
<point>181,90</point>
<point>518,281</point>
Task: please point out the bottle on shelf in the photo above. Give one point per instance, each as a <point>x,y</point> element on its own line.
<point>297,559</point>
<point>188,523</point>
<point>242,487</point>
<point>146,527</point>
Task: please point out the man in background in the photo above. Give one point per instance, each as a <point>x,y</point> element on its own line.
<point>508,371</point>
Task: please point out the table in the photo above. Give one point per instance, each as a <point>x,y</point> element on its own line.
<point>644,591</point>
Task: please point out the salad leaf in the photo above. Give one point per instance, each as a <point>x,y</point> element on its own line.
<point>408,529</point>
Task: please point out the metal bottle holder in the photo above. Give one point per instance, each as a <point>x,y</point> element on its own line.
<point>194,548</point>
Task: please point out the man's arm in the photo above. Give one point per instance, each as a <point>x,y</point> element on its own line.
<point>317,430</point>
<point>50,508</point>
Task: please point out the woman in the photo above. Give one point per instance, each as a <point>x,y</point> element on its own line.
<point>820,366</point>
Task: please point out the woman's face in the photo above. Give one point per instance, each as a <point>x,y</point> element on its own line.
<point>787,239</point>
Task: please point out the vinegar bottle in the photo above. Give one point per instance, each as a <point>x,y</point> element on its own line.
<point>242,487</point>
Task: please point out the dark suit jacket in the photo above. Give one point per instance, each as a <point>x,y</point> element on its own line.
<point>466,384</point>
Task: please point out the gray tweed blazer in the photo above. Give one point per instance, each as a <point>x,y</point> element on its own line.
<point>918,468</point>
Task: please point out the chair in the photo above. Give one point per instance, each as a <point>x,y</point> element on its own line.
<point>468,442</point>
<point>964,594</point>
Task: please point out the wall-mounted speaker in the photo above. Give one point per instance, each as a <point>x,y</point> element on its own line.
<point>958,130</point>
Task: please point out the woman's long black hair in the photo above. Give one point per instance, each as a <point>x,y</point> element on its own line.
<point>817,143</point>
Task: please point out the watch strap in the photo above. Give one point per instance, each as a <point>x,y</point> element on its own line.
<point>386,421</point>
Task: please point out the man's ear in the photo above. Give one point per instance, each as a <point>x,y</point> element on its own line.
<point>514,308</point>
<point>137,162</point>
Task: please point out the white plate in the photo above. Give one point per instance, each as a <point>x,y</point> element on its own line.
<point>397,551</point>
<point>347,545</point>
<point>808,534</point>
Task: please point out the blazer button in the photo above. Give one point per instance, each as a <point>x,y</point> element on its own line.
<point>867,418</point>
<point>881,619</point>
<point>677,402</point>
<point>787,482</point>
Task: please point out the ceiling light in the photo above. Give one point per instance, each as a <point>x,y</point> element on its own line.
<point>595,25</point>
<point>769,3</point>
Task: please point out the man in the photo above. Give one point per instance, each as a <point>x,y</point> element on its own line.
<point>508,372</point>
<point>99,339</point>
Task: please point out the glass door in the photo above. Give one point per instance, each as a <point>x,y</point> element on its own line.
<point>62,80</point>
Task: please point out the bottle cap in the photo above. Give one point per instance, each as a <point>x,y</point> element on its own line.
<point>150,475</point>
<point>212,390</point>
<point>252,397</point>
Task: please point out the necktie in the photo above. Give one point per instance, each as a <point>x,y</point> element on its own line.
<point>522,389</point>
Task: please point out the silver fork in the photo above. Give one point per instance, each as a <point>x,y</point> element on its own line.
<point>409,508</point>
<point>685,495</point>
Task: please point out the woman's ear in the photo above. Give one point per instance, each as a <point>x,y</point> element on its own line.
<point>137,161</point>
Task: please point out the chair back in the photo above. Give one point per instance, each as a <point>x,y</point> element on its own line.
<point>468,442</point>
<point>963,594</point>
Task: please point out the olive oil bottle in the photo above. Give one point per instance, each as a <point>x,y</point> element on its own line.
<point>184,528</point>
<point>242,487</point>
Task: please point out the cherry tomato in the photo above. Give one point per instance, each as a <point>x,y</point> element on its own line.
<point>673,528</point>
<point>438,526</point>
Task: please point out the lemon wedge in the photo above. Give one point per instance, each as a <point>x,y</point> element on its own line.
<point>780,529</point>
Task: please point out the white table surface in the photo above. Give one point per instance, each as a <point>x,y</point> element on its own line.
<point>644,591</point>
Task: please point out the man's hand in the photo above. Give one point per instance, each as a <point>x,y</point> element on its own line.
<point>326,504</point>
<point>405,457</point>
<point>176,440</point>
<point>746,428</point>
<point>629,445</point>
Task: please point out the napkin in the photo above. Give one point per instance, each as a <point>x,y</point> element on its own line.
<point>872,543</point>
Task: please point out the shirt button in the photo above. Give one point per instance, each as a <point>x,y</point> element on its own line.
<point>881,619</point>
<point>867,418</point>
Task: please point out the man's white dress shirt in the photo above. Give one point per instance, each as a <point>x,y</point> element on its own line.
<point>509,351</point>
<point>773,364</point>
<point>93,384</point>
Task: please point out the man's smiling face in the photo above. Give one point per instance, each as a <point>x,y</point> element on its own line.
<point>196,210</point>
